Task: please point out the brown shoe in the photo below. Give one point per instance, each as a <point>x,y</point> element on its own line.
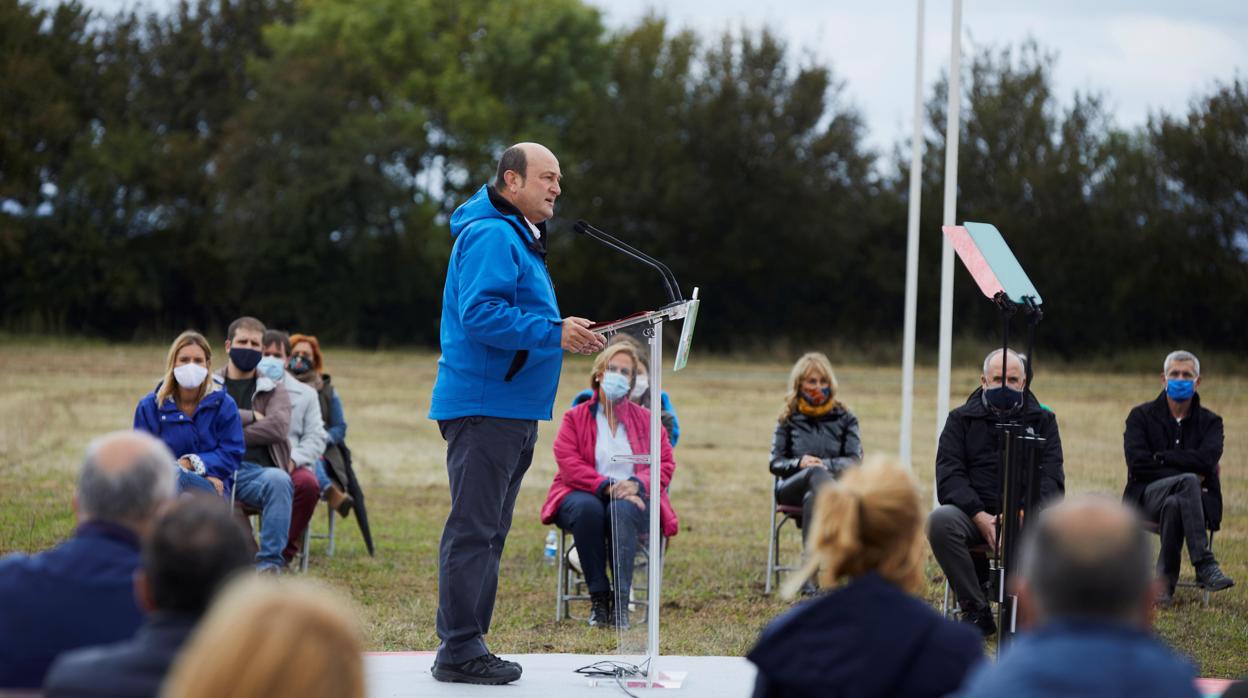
<point>339,501</point>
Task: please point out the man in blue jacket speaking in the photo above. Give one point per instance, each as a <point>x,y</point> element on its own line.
<point>502,351</point>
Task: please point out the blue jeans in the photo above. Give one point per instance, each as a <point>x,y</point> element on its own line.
<point>591,521</point>
<point>322,478</point>
<point>270,491</point>
<point>190,482</point>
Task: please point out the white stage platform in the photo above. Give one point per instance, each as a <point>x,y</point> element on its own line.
<point>400,674</point>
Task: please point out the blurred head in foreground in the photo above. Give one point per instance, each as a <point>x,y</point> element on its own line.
<point>271,638</point>
<point>1089,558</point>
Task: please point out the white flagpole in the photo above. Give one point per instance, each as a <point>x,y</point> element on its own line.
<point>950,215</point>
<point>912,247</point>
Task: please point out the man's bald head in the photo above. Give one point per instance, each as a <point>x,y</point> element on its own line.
<point>126,476</point>
<point>1088,557</point>
<point>528,176</point>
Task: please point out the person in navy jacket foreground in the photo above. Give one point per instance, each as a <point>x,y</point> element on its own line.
<point>502,351</point>
<point>872,636</point>
<point>1085,590</point>
<point>81,592</point>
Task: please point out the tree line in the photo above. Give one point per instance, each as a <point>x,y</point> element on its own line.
<point>299,161</point>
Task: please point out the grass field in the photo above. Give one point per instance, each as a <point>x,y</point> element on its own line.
<point>55,396</point>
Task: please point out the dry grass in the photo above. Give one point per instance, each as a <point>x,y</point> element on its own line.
<point>54,397</point>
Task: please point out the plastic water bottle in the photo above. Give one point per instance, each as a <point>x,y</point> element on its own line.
<point>552,546</point>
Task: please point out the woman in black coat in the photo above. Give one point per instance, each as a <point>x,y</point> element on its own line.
<point>871,637</point>
<point>816,438</point>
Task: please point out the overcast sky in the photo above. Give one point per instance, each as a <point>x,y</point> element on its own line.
<point>1142,55</point>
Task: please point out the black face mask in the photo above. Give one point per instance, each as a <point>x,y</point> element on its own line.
<point>245,359</point>
<point>299,365</point>
<point>1003,399</point>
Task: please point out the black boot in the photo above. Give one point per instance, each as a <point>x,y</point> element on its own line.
<point>979,616</point>
<point>1209,576</point>
<point>600,613</point>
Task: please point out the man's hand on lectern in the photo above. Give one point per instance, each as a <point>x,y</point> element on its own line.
<point>577,338</point>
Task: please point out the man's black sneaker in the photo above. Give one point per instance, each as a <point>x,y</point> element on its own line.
<point>1210,577</point>
<point>980,617</point>
<point>486,669</point>
<point>600,610</point>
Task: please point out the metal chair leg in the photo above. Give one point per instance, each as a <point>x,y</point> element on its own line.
<point>332,525</point>
<point>1204,600</point>
<point>773,533</point>
<point>305,550</point>
<point>561,579</point>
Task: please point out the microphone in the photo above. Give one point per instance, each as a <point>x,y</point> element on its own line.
<point>669,279</point>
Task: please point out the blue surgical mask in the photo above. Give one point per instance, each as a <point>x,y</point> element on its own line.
<point>614,386</point>
<point>271,367</point>
<point>244,358</point>
<point>1180,390</point>
<point>1003,398</point>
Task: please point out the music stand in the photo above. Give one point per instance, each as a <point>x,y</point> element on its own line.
<point>1001,278</point>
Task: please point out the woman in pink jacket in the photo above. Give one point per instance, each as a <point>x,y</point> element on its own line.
<point>599,497</point>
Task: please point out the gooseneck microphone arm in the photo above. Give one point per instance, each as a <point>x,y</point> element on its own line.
<point>669,279</point>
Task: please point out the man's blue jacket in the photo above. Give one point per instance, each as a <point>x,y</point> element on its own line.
<point>501,326</point>
<point>1078,657</point>
<point>77,594</point>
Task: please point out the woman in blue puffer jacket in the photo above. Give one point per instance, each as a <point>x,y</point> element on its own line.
<point>195,418</point>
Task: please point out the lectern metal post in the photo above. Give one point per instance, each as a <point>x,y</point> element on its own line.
<point>652,327</point>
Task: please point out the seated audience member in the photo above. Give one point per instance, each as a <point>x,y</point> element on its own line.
<point>1173,446</point>
<point>306,436</point>
<point>266,638</point>
<point>598,498</point>
<point>871,637</point>
<point>308,365</point>
<point>816,437</point>
<point>195,418</point>
<point>81,592</point>
<point>195,546</point>
<point>640,394</point>
<point>968,477</point>
<point>262,481</point>
<point>1085,591</point>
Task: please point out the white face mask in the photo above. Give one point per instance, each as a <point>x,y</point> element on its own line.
<point>190,376</point>
<point>640,384</point>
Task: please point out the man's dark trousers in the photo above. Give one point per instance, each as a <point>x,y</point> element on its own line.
<point>486,458</point>
<point>1174,502</point>
<point>951,534</point>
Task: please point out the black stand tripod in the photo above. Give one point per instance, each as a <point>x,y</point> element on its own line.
<point>1020,472</point>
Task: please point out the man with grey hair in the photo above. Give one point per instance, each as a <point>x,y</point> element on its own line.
<point>1173,447</point>
<point>81,592</point>
<point>1085,591</point>
<point>968,477</point>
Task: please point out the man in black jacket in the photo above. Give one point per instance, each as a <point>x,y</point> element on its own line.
<point>1173,446</point>
<point>194,548</point>
<point>968,477</point>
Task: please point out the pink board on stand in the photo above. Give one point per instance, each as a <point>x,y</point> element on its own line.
<point>971,258</point>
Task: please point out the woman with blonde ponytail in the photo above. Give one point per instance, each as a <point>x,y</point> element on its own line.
<point>871,636</point>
